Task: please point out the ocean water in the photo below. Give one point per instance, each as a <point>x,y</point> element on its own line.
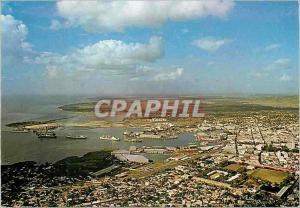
<point>16,108</point>
<point>17,147</point>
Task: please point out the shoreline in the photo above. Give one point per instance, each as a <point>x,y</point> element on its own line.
<point>54,162</point>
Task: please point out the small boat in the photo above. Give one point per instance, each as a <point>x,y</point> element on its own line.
<point>126,133</point>
<point>111,138</point>
<point>76,137</point>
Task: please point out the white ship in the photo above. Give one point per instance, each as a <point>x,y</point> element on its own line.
<point>50,135</point>
<point>111,138</point>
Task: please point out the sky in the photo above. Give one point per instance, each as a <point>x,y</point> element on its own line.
<point>158,47</point>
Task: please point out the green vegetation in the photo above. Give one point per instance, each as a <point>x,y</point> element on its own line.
<point>79,107</point>
<point>90,162</point>
<point>263,103</point>
<point>31,123</point>
<point>272,176</point>
<point>276,101</point>
<point>235,168</point>
<point>221,104</point>
<point>28,123</point>
<point>271,148</point>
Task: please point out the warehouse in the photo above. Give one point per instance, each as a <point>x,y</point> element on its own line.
<point>124,155</point>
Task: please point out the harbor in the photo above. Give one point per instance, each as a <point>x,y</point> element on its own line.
<point>51,150</point>
<point>150,103</point>
<point>162,130</point>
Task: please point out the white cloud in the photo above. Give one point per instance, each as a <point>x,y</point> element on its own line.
<point>53,72</point>
<point>14,31</point>
<point>210,44</point>
<point>171,75</point>
<point>132,79</point>
<point>107,56</point>
<point>147,73</point>
<point>185,30</point>
<point>101,16</point>
<point>272,47</point>
<point>259,75</point>
<point>211,63</point>
<point>14,46</point>
<point>55,25</point>
<point>285,78</point>
<point>279,64</point>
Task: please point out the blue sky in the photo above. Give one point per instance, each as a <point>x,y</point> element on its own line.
<point>145,47</point>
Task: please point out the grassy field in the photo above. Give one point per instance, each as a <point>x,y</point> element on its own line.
<point>275,101</point>
<point>151,169</point>
<point>221,104</point>
<point>156,167</point>
<point>234,167</point>
<point>79,107</point>
<point>272,176</point>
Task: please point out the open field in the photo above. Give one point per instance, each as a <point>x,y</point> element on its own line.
<point>151,169</point>
<point>275,101</point>
<point>234,167</point>
<point>214,183</point>
<point>217,104</point>
<point>272,176</point>
<point>211,106</point>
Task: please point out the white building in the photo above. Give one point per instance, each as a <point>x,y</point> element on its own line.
<point>132,158</point>
<point>124,155</point>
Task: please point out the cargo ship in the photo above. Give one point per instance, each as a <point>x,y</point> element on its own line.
<point>50,135</point>
<point>76,137</point>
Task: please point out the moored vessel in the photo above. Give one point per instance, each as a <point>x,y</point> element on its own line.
<point>111,138</point>
<point>76,137</point>
<point>50,135</point>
